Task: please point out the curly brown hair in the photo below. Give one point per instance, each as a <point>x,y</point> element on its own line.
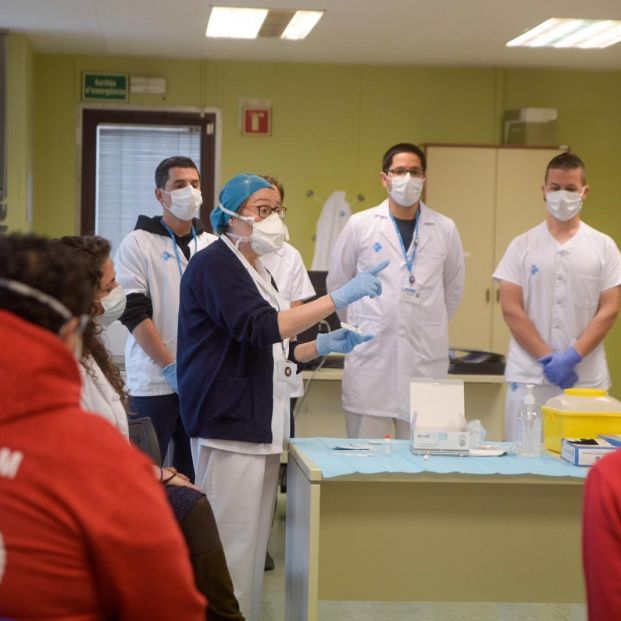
<point>93,253</point>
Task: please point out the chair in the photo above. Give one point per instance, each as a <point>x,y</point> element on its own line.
<point>142,434</point>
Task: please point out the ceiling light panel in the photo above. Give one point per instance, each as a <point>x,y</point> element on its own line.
<point>301,24</point>
<point>569,32</point>
<point>235,23</point>
<point>275,23</point>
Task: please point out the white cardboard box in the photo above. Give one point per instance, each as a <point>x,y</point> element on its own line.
<point>584,454</point>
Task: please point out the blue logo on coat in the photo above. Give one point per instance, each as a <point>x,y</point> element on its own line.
<point>533,270</point>
<point>377,246</point>
<point>166,255</point>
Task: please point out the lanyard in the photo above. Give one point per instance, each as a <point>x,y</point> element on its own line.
<point>409,261</point>
<point>259,282</point>
<point>174,242</point>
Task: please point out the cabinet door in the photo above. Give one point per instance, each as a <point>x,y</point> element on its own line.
<point>461,185</point>
<point>519,207</point>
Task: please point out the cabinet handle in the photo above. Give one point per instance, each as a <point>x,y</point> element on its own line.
<point>487,295</point>
<point>497,296</point>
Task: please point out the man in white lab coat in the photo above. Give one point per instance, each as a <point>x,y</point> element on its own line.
<point>559,292</point>
<point>149,264</point>
<point>422,288</point>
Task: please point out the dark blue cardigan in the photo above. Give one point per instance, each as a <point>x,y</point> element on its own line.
<point>224,350</point>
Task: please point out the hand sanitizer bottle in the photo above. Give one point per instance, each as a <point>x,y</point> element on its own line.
<point>529,426</point>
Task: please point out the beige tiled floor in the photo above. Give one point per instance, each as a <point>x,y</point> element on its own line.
<point>274,600</point>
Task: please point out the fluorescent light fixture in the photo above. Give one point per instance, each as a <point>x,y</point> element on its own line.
<point>569,32</point>
<point>235,23</point>
<point>301,24</point>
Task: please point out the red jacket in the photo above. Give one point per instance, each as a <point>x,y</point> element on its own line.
<point>601,539</point>
<point>86,530</point>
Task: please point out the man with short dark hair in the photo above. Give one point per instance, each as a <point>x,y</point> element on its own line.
<point>149,263</point>
<point>85,530</point>
<point>422,288</point>
<point>559,292</point>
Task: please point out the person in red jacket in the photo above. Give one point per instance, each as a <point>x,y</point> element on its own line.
<point>69,549</point>
<point>601,539</point>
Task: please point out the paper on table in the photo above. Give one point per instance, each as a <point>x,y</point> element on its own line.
<point>437,405</point>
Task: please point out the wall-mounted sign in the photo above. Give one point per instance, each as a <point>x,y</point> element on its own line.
<point>104,87</point>
<point>256,121</point>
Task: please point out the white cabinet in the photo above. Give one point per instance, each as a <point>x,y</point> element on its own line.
<point>493,193</point>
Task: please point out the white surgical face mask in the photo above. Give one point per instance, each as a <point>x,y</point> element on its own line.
<point>185,202</point>
<point>113,306</point>
<point>406,190</point>
<point>564,205</point>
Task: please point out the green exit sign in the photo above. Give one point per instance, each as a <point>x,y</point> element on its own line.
<point>104,87</point>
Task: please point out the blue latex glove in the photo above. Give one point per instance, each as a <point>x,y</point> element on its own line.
<point>170,373</point>
<point>559,368</point>
<point>361,285</point>
<point>340,341</point>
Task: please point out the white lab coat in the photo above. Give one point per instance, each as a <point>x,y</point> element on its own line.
<point>334,215</point>
<point>410,327</point>
<point>99,396</point>
<point>287,268</point>
<point>240,478</point>
<point>146,263</point>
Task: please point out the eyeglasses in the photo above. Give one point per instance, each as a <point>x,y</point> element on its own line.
<point>265,211</point>
<point>401,172</point>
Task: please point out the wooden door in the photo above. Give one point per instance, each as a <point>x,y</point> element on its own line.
<point>461,184</point>
<point>519,206</point>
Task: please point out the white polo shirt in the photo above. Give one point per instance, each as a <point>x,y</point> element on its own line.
<point>561,287</point>
<point>146,263</point>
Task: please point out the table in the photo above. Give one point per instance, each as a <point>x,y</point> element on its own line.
<point>428,536</point>
<point>320,414</point>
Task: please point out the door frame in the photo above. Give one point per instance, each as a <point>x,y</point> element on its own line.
<point>89,116</point>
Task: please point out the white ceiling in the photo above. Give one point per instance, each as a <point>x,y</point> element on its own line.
<point>414,32</point>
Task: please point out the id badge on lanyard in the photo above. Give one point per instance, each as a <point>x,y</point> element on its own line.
<point>286,370</point>
<point>410,295</point>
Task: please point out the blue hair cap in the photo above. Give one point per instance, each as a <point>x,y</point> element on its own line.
<point>233,195</point>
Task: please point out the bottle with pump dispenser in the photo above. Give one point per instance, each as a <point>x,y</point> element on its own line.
<point>528,426</point>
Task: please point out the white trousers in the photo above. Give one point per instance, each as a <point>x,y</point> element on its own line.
<point>515,398</point>
<point>242,490</point>
<point>365,426</point>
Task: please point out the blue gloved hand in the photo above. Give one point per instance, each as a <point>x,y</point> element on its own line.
<point>170,373</point>
<point>340,341</point>
<point>361,285</point>
<point>559,368</point>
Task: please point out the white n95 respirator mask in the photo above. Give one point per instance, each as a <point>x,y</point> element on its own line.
<point>113,307</point>
<point>406,190</point>
<point>564,205</point>
<point>268,235</point>
<point>185,202</point>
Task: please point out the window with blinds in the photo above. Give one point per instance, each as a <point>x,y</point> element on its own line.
<point>126,159</point>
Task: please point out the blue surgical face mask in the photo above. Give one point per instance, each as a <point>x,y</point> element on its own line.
<point>58,307</point>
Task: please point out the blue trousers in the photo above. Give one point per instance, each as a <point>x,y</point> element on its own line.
<point>163,410</point>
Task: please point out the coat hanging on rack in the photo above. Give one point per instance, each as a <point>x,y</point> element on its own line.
<point>335,213</point>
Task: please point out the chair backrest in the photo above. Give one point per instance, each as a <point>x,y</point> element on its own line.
<point>142,434</point>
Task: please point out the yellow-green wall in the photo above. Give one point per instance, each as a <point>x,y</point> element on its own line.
<point>331,124</point>
<point>20,130</point>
